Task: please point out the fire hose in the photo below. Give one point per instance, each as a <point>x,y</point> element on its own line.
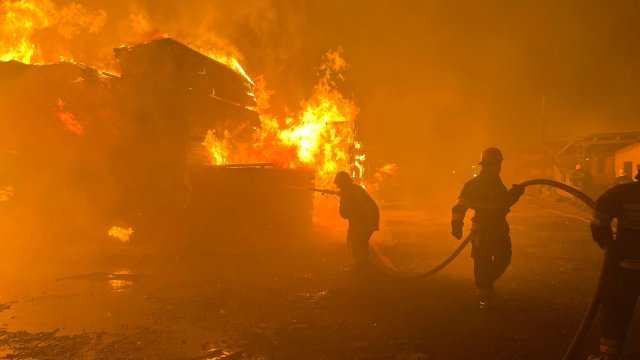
<point>592,310</point>
<point>594,306</point>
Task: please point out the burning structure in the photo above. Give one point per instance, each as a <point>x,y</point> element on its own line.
<point>160,140</point>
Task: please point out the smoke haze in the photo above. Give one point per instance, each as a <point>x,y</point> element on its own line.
<point>436,81</point>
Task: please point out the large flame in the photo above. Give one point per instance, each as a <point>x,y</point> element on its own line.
<point>321,136</point>
<point>23,20</point>
<point>219,149</point>
<point>322,133</point>
<point>229,60</point>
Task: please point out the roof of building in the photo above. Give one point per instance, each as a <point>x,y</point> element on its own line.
<point>598,144</point>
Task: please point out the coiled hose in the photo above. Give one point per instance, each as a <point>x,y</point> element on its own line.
<point>592,310</point>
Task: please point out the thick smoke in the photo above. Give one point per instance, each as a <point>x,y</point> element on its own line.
<point>435,81</point>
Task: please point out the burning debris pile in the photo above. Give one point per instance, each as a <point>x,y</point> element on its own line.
<point>163,136</point>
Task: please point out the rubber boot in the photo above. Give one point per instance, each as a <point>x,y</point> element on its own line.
<point>485,295</point>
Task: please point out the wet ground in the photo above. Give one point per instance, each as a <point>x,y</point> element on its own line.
<point>302,300</point>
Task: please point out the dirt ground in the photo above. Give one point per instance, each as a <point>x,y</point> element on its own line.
<point>300,299</point>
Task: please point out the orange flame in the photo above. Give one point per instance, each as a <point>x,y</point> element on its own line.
<point>68,119</point>
<point>320,136</point>
<point>228,60</point>
<point>121,233</point>
<point>219,150</point>
<point>20,20</point>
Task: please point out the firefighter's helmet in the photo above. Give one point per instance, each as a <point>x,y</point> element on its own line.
<point>490,155</point>
<point>342,178</point>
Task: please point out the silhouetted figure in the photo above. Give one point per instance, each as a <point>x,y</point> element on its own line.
<point>490,241</point>
<point>623,177</point>
<point>623,284</point>
<point>362,212</point>
<point>581,178</point>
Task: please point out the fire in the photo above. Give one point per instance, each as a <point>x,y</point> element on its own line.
<point>23,20</point>
<point>322,133</point>
<point>20,20</point>
<point>320,136</point>
<point>219,150</point>
<point>121,233</point>
<point>228,60</point>
<point>68,119</point>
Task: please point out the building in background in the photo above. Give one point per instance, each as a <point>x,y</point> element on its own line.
<point>599,155</point>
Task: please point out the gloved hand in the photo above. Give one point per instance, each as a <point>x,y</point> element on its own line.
<point>456,229</point>
<point>602,235</point>
<point>517,190</point>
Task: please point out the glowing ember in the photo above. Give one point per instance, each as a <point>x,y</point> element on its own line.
<point>69,120</point>
<point>120,233</point>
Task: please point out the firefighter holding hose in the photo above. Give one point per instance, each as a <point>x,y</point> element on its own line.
<point>363,214</point>
<point>622,286</point>
<point>491,202</point>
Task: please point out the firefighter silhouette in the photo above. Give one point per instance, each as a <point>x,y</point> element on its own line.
<point>490,240</point>
<point>621,291</point>
<point>357,206</point>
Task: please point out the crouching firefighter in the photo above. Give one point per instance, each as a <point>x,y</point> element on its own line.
<point>623,282</point>
<point>363,214</point>
<point>490,241</point>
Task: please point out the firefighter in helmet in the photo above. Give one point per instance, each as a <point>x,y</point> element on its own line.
<point>357,206</point>
<point>621,291</point>
<point>491,202</point>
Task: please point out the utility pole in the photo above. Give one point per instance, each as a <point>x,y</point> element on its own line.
<point>542,130</point>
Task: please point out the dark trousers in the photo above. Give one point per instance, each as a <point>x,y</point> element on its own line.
<point>358,242</point>
<point>491,252</point>
<point>618,302</point>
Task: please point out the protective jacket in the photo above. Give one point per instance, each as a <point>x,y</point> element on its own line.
<point>490,200</point>
<point>357,206</point>
<point>620,294</point>
<point>621,202</point>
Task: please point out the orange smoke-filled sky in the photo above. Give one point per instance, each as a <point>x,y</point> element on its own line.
<point>435,81</point>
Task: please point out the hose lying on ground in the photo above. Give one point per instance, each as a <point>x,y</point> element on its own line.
<point>592,310</point>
